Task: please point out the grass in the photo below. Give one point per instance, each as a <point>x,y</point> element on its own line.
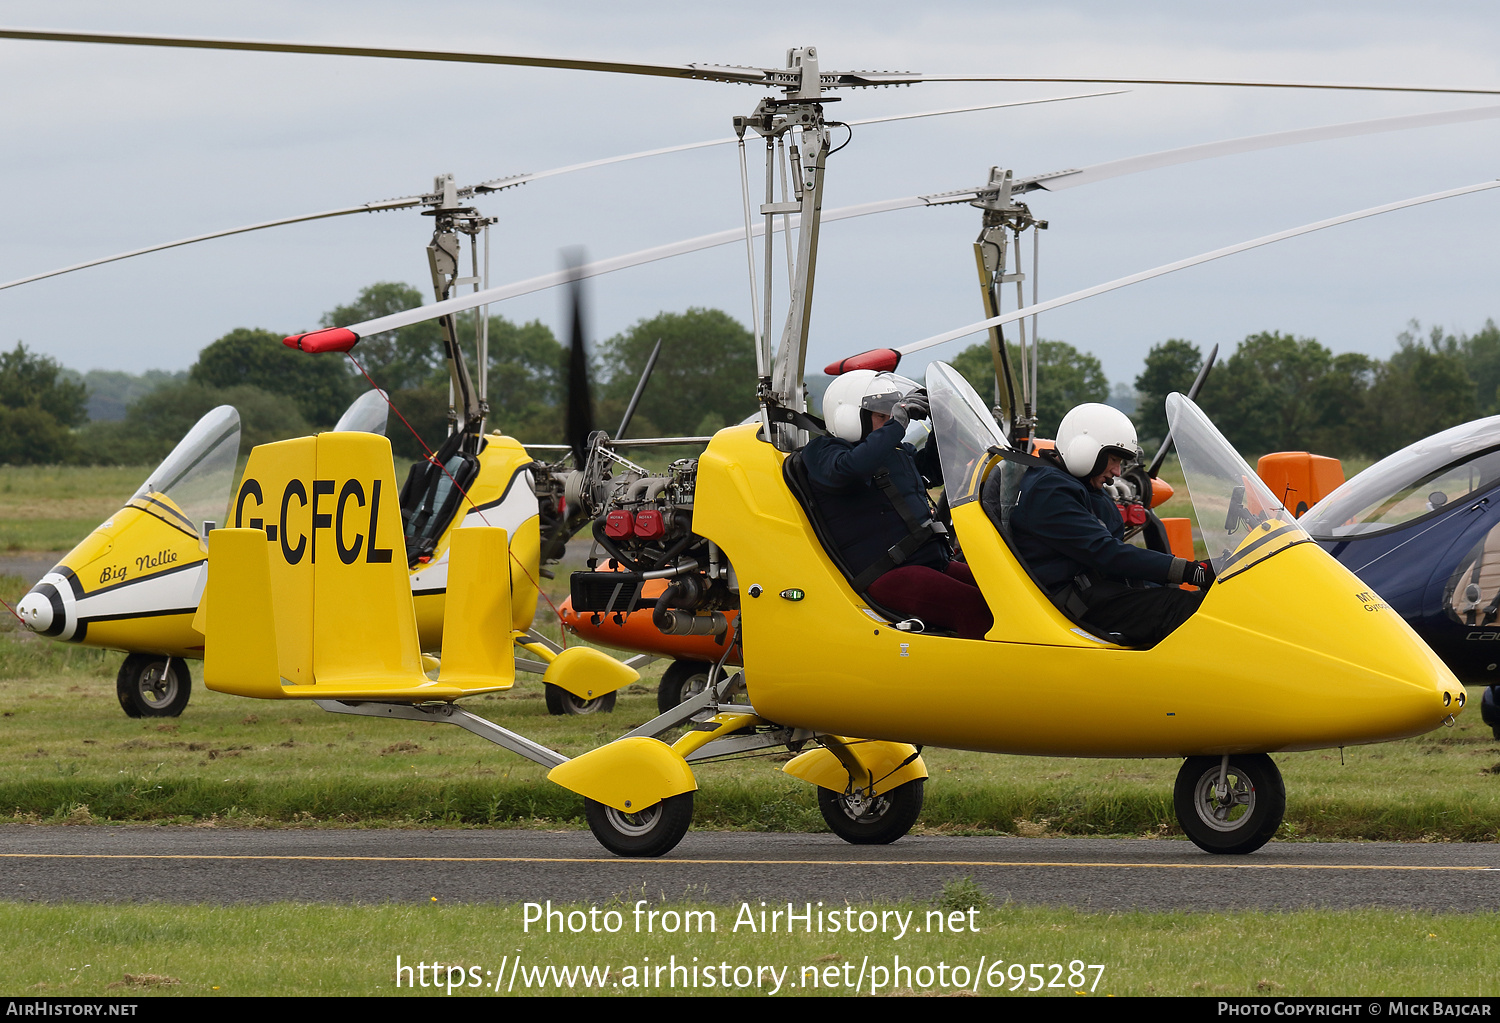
<point>71,755</point>
<point>134,950</point>
<point>51,508</point>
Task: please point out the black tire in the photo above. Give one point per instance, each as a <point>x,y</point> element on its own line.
<point>147,690</point>
<point>1247,820</point>
<point>654,831</point>
<point>560,701</point>
<point>878,821</point>
<point>681,680</point>
<point>1489,709</point>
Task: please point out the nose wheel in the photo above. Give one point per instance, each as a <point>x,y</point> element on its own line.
<point>148,688</point>
<point>1231,809</point>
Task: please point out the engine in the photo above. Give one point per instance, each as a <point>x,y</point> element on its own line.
<point>643,521</point>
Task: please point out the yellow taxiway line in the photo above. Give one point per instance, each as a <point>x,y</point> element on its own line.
<point>1220,865</point>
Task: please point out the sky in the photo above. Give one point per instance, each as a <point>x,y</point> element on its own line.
<point>112,148</point>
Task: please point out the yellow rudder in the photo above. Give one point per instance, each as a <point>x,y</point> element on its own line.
<point>240,653</point>
<point>477,650</point>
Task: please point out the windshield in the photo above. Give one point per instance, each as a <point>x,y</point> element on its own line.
<point>1414,482</point>
<point>366,414</point>
<point>1239,518</point>
<point>965,430</point>
<point>192,483</point>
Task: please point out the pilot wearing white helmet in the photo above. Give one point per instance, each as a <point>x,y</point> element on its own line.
<point>871,490</point>
<point>1070,534</point>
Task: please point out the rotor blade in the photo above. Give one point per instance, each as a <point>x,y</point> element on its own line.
<point>499,184</point>
<point>1211,82</point>
<point>640,389</point>
<point>714,72</point>
<point>369,207</point>
<point>496,184</point>
<point>1182,264</point>
<point>580,411</point>
<point>770,77</point>
<point>604,266</point>
<point>1059,180</point>
<point>1198,381</point>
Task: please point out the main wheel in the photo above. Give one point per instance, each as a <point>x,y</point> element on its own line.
<point>560,701</point>
<point>654,831</point>
<point>880,821</point>
<point>681,681</point>
<point>1489,709</point>
<point>148,690</point>
<point>1238,818</point>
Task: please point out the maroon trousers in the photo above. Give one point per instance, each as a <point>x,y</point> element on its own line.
<point>948,600</point>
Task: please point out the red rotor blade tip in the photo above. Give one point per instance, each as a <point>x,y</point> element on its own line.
<point>333,339</point>
<point>879,359</point>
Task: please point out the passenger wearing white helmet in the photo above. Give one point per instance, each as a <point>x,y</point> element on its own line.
<point>871,491</point>
<point>1071,536</point>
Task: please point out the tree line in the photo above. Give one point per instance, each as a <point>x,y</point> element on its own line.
<point>1273,392</point>
<point>1277,392</point>
<point>704,380</point>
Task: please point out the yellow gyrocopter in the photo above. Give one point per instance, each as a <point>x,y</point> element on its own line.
<point>1288,650</point>
<point>135,582</point>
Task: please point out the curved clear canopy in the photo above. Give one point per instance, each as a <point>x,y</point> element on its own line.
<point>965,430</point>
<point>1415,482</point>
<point>1239,518</point>
<point>191,485</point>
<point>365,414</point>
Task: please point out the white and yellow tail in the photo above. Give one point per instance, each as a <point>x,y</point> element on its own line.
<point>312,600</point>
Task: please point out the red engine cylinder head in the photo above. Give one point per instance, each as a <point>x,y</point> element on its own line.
<point>619,524</point>
<point>649,525</point>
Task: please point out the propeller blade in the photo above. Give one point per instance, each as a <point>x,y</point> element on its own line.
<point>580,410</point>
<point>1198,382</point>
<point>1183,264</point>
<point>640,388</point>
<point>788,78</point>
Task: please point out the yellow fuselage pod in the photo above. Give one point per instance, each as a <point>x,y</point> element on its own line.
<point>503,496</point>
<point>1289,654</point>
<point>132,584</point>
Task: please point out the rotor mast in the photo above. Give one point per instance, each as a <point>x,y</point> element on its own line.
<point>467,408</point>
<point>793,124</point>
<point>1005,219</point>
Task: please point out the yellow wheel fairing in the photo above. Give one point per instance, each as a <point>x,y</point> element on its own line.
<point>588,673</point>
<point>884,763</point>
<point>1279,658</point>
<point>630,774</point>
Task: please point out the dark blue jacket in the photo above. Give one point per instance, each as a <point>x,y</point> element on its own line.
<point>1062,527</point>
<point>863,522</point>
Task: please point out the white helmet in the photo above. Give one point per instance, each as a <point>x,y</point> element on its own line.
<point>861,391</point>
<point>1090,433</point>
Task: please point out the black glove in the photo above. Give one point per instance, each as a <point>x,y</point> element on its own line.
<point>1199,573</point>
<point>913,406</point>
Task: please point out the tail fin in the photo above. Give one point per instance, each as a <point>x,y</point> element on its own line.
<point>312,600</point>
